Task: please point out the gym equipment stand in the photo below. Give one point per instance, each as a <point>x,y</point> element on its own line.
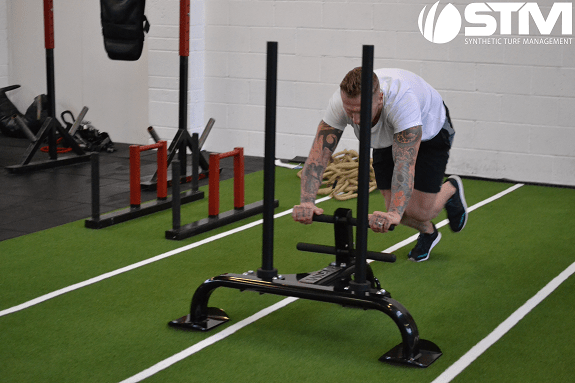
<point>182,140</point>
<point>49,128</point>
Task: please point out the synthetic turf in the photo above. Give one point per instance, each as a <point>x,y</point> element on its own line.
<point>116,328</point>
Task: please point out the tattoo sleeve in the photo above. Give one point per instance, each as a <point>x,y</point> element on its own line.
<point>404,148</point>
<point>324,145</point>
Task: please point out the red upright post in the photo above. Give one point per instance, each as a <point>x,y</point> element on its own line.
<point>214,186</point>
<point>135,192</point>
<point>49,24</point>
<point>162,185</point>
<point>214,198</point>
<point>162,188</point>
<point>184,28</point>
<point>239,178</point>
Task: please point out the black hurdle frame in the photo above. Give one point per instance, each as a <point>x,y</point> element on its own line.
<point>179,232</point>
<point>362,292</point>
<point>98,221</point>
<point>49,128</point>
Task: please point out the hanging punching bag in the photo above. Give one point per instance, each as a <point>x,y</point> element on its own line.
<point>123,27</point>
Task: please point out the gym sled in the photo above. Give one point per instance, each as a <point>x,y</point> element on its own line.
<point>349,281</point>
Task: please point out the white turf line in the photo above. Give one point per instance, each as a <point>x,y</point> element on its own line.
<point>207,342</point>
<point>235,327</point>
<point>111,274</point>
<point>457,367</point>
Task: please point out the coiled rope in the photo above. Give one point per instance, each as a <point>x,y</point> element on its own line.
<point>340,176</point>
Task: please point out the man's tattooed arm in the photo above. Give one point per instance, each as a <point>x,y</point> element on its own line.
<point>404,148</point>
<point>324,145</point>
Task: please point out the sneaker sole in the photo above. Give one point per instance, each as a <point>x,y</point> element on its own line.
<point>462,198</point>
<point>429,252</point>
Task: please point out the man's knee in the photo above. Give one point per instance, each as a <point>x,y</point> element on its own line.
<point>422,206</point>
<point>419,214</point>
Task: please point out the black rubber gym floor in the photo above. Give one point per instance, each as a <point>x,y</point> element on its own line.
<point>43,199</point>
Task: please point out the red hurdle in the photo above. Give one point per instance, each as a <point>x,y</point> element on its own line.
<point>138,209</point>
<point>216,219</point>
<point>135,192</point>
<point>214,180</point>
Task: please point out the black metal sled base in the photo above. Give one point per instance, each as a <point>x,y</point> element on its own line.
<point>428,353</point>
<point>412,351</point>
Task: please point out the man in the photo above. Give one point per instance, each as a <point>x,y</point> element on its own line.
<point>411,136</point>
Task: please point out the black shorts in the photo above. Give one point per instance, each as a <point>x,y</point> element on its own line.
<point>429,166</point>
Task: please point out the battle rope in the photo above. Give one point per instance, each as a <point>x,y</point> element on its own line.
<point>340,176</point>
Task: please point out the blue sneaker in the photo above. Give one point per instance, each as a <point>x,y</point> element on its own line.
<point>456,207</point>
<point>425,242</point>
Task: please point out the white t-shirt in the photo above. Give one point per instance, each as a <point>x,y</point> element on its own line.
<point>408,101</point>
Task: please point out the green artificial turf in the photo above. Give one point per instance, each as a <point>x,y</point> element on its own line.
<point>116,328</point>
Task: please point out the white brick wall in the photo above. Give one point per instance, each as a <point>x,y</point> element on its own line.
<point>114,91</point>
<point>3,43</point>
<point>513,105</point>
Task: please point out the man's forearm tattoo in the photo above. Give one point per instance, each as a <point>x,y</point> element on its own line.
<point>405,148</point>
<point>324,145</point>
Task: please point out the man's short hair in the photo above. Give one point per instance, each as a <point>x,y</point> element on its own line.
<point>351,83</point>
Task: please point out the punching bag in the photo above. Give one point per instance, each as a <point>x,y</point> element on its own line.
<point>123,27</point>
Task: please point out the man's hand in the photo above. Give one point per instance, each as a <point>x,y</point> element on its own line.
<point>304,213</point>
<point>380,222</point>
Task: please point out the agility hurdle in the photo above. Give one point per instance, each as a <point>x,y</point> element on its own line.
<point>135,172</point>
<point>181,141</point>
<point>137,209</point>
<point>214,184</point>
<point>215,219</point>
<point>349,281</point>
